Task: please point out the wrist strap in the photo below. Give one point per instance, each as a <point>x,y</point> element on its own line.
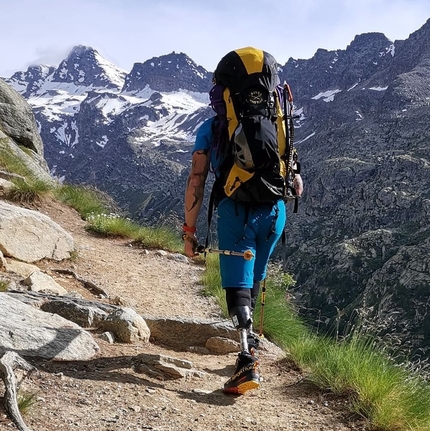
<point>191,229</point>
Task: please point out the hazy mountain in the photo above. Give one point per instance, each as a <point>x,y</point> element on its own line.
<point>359,245</point>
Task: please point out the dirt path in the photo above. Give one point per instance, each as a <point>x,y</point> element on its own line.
<point>106,394</point>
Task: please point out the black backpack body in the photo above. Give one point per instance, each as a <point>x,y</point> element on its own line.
<point>249,131</point>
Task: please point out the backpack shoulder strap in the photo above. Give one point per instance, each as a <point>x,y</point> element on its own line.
<point>233,122</point>
<point>211,206</point>
<point>282,135</point>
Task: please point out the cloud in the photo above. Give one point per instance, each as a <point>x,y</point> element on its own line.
<point>129,31</point>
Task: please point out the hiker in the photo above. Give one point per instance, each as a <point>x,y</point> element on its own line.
<point>241,226</point>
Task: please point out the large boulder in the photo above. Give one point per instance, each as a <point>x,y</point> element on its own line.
<point>29,331</point>
<point>31,236</point>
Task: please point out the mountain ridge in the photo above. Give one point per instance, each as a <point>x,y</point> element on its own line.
<point>362,129</point>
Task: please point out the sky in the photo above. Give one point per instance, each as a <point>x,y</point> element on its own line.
<point>133,31</point>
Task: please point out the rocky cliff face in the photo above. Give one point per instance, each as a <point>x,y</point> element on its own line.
<point>18,134</point>
<point>359,244</point>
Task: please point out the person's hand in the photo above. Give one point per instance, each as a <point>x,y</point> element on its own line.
<point>298,185</point>
<point>190,245</point>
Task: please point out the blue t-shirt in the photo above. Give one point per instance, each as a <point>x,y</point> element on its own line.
<point>204,141</point>
<point>204,136</point>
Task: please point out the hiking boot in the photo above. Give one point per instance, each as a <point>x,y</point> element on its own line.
<point>245,377</point>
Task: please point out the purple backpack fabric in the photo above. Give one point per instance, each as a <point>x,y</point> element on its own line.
<point>217,101</point>
<point>220,124</point>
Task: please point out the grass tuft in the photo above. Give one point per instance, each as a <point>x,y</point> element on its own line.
<point>11,162</point>
<point>28,191</point>
<point>4,284</point>
<point>111,225</point>
<point>88,201</point>
<point>26,401</point>
<point>159,238</point>
<point>211,281</point>
<point>114,225</point>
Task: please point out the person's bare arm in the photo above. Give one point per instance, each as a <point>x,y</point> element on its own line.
<point>194,193</point>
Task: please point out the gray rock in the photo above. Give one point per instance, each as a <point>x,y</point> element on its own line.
<point>84,315</point>
<point>222,345</point>
<point>31,332</point>
<point>127,325</point>
<point>35,236</point>
<point>165,366</point>
<point>178,257</point>
<point>183,333</point>
<point>20,268</point>
<point>108,336</point>
<point>39,281</point>
<point>5,184</point>
<point>17,119</point>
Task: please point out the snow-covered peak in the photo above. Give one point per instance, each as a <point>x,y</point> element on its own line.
<point>170,72</point>
<point>84,66</point>
<point>30,81</point>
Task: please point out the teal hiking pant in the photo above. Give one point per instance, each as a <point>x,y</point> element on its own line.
<point>240,229</point>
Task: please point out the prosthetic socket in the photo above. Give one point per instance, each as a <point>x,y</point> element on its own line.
<point>242,321</point>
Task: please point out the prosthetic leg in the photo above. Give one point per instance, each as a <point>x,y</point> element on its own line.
<point>242,321</point>
<point>253,338</point>
<point>246,376</point>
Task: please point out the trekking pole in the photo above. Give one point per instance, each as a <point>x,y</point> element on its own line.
<point>289,129</point>
<point>263,302</point>
<point>247,254</point>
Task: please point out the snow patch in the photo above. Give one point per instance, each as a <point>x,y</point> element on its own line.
<point>103,142</point>
<point>378,88</point>
<point>110,107</point>
<point>327,96</point>
<point>67,135</point>
<point>305,139</point>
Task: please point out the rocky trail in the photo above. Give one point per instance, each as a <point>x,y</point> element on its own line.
<point>109,393</point>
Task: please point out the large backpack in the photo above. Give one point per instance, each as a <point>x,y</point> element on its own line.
<point>253,130</point>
